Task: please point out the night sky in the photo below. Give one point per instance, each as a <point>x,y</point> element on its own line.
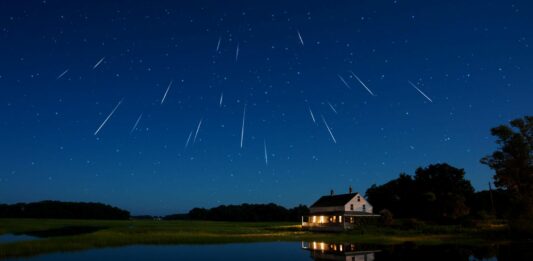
<point>141,104</point>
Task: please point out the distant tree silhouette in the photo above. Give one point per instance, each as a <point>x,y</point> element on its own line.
<point>248,212</point>
<point>397,196</point>
<point>62,210</point>
<point>437,192</point>
<point>513,164</point>
<point>481,205</point>
<point>443,192</point>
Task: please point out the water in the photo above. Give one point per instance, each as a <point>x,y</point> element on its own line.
<point>9,238</point>
<point>295,251</point>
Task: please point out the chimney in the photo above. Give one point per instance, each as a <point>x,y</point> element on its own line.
<point>331,193</point>
<point>350,190</point>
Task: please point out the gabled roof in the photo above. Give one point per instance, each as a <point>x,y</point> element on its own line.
<point>334,201</point>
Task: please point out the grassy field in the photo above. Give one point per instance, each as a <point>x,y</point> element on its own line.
<point>119,233</point>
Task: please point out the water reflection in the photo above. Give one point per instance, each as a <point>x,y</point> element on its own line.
<point>339,251</point>
<point>410,251</point>
<point>10,238</point>
<point>293,251</point>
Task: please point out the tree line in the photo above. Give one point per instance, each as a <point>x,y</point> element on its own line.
<point>440,192</point>
<point>62,210</point>
<point>437,192</point>
<point>245,212</point>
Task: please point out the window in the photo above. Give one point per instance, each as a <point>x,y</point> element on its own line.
<point>358,198</point>
<point>351,206</point>
<point>364,208</point>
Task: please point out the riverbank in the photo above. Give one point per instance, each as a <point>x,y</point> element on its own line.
<point>72,235</point>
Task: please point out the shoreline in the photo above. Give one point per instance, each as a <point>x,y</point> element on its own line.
<point>147,232</point>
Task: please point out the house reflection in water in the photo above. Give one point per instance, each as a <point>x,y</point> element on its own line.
<point>338,251</point>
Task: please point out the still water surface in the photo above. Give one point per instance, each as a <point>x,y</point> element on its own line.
<point>9,238</point>
<point>294,251</point>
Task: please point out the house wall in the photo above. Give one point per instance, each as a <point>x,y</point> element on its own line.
<point>358,205</point>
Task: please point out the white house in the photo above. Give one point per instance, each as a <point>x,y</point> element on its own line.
<point>337,212</point>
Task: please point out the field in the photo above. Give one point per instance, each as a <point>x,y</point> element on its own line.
<point>72,235</point>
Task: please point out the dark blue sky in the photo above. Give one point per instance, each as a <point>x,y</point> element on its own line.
<point>473,59</point>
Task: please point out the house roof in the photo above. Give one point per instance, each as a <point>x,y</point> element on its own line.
<point>333,201</point>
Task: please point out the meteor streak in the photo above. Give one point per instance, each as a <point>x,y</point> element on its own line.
<point>136,123</point>
<point>197,130</point>
<point>312,115</point>
<point>362,83</point>
<point>98,63</point>
<point>218,44</point>
<point>242,127</point>
<point>329,130</point>
<point>332,108</point>
<point>266,154</point>
<point>188,139</point>
<point>62,74</point>
<point>108,116</point>
<point>420,91</point>
<point>166,92</point>
<point>237,53</point>
<point>343,81</point>
<point>300,37</point>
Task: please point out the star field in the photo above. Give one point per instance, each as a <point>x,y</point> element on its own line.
<point>161,106</point>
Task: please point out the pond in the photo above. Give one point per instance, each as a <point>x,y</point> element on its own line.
<point>10,238</point>
<point>295,251</point>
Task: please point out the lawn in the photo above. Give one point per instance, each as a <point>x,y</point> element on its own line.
<point>60,235</point>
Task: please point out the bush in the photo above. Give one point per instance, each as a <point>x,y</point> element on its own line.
<point>413,223</point>
<point>522,227</point>
<point>386,217</point>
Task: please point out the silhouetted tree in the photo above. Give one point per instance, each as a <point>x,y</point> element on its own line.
<point>396,195</point>
<point>62,210</point>
<point>296,213</point>
<point>198,213</point>
<point>482,206</point>
<point>248,212</point>
<point>443,192</point>
<point>513,163</point>
<point>437,192</point>
<point>386,217</point>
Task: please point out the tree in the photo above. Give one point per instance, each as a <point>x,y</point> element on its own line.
<point>437,192</point>
<point>396,196</point>
<point>248,212</point>
<point>386,217</point>
<point>513,163</point>
<point>444,191</point>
